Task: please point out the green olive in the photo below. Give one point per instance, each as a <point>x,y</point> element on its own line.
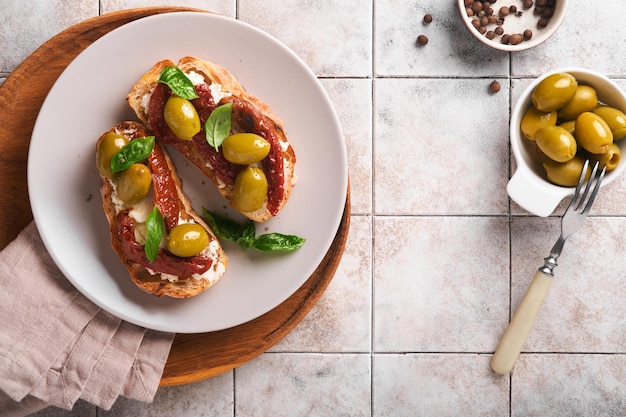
<point>554,91</point>
<point>567,173</point>
<point>108,146</point>
<point>245,148</point>
<point>133,184</point>
<point>556,143</point>
<point>250,189</point>
<point>611,158</point>
<point>181,117</point>
<point>615,118</point>
<point>187,239</point>
<point>585,99</point>
<point>593,133</point>
<point>569,125</point>
<point>533,120</point>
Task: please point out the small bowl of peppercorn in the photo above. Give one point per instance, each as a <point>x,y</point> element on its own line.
<point>512,25</point>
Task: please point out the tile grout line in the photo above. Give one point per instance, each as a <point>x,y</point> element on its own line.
<point>372,210</point>
<point>436,352</point>
<point>510,82</point>
<point>372,312</point>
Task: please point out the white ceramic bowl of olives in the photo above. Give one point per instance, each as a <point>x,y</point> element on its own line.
<point>561,119</point>
<point>512,25</point>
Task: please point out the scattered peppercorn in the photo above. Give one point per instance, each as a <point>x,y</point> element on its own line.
<point>428,18</point>
<point>494,87</point>
<point>528,34</point>
<point>422,40</point>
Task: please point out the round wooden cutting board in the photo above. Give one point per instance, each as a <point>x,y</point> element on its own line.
<point>193,357</point>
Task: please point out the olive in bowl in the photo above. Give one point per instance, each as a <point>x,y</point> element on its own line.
<point>562,118</point>
<point>512,25</point>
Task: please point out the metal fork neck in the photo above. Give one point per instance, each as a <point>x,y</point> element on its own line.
<point>550,261</point>
<point>549,265</point>
<point>557,248</point>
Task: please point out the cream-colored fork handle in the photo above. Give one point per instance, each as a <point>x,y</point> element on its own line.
<point>514,337</point>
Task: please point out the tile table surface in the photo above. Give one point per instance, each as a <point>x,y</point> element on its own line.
<point>437,256</point>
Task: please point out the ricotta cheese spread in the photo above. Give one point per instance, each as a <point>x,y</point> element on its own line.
<point>140,211</point>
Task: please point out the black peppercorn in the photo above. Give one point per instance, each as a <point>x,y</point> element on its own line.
<point>516,39</point>
<point>547,12</point>
<point>477,6</point>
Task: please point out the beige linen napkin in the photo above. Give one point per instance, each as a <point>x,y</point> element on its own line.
<point>56,346</point>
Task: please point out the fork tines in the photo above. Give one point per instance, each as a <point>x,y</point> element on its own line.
<point>594,181</point>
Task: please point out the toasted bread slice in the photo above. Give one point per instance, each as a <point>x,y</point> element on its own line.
<point>251,115</point>
<point>168,274</point>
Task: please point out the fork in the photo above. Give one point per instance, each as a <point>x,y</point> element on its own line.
<point>515,335</point>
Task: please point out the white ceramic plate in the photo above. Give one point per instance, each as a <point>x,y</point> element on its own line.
<point>89,98</point>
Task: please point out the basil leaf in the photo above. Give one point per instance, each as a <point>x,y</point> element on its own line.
<point>244,235</point>
<point>277,242</point>
<point>223,227</point>
<point>134,151</point>
<point>155,227</point>
<point>178,82</point>
<point>248,230</point>
<point>247,234</point>
<point>245,242</point>
<point>217,127</point>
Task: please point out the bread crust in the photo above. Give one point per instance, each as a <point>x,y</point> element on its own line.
<point>213,73</point>
<point>154,282</point>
